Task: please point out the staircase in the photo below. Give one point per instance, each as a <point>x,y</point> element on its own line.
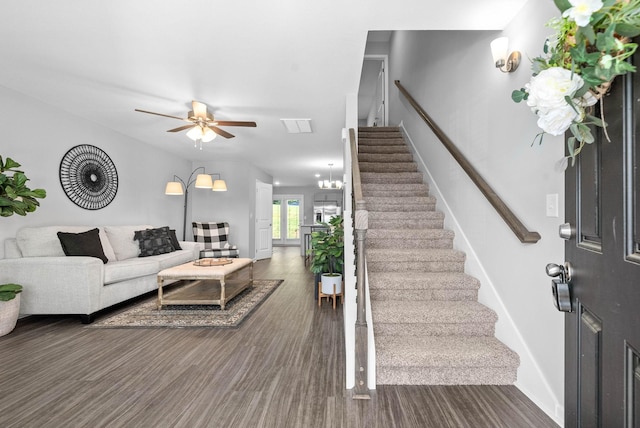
<point>429,327</point>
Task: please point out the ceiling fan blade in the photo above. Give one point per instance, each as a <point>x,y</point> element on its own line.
<point>181,128</point>
<point>160,114</point>
<point>221,132</point>
<point>235,123</point>
<point>199,109</point>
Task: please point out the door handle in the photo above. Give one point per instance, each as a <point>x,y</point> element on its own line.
<point>566,231</point>
<point>560,285</point>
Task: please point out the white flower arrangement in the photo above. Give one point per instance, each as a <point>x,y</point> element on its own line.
<point>590,48</point>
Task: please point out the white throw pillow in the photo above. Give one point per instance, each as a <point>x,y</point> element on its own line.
<point>121,239</point>
<point>44,242</point>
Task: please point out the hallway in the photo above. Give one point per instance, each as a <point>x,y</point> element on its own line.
<point>283,367</point>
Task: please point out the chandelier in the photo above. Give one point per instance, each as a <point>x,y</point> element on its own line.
<point>330,184</point>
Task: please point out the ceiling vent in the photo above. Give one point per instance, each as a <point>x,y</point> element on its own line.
<point>297,126</point>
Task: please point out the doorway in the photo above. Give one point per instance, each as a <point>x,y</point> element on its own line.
<point>287,217</point>
<point>373,92</point>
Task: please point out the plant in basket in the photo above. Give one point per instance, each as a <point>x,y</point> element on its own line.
<point>589,49</point>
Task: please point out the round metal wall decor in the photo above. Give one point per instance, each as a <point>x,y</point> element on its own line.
<point>88,177</point>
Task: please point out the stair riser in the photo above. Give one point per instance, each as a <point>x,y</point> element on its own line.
<point>385,158</point>
<point>434,329</point>
<point>445,376</point>
<point>380,149</point>
<point>391,178</point>
<point>406,224</point>
<point>409,243</point>
<point>368,137</point>
<point>416,187</point>
<point>402,266</point>
<point>395,193</point>
<point>401,207</point>
<point>388,167</point>
<point>422,295</point>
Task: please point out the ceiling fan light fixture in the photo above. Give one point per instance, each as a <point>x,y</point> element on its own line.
<point>208,134</point>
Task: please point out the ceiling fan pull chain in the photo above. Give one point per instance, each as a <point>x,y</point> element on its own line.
<point>200,144</point>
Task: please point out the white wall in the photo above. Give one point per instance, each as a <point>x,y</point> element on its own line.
<point>142,170</point>
<point>236,206</point>
<point>451,74</point>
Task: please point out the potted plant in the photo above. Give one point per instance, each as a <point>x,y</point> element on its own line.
<point>15,196</point>
<point>327,250</point>
<point>9,307</point>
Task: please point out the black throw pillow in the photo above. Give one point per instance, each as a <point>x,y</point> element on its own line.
<point>82,244</point>
<point>174,240</point>
<point>153,241</point>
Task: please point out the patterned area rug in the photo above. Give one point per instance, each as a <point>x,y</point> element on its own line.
<point>145,314</point>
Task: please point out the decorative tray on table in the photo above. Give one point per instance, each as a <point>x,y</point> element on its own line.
<point>212,262</point>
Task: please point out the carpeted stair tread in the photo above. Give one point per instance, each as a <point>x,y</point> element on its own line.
<point>378,129</point>
<point>441,361</point>
<point>422,286</point>
<point>406,219</point>
<point>384,157</point>
<point>439,351</point>
<point>393,189</point>
<point>415,260</point>
<point>407,203</point>
<point>382,138</point>
<point>391,177</point>
<point>397,282</point>
<point>387,167</point>
<point>416,238</point>
<point>382,149</point>
<point>428,315</point>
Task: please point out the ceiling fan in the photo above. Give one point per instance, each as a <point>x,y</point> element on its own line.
<point>202,126</point>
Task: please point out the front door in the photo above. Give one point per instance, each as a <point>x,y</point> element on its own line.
<point>602,334</point>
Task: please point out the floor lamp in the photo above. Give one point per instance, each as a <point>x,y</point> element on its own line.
<point>181,187</point>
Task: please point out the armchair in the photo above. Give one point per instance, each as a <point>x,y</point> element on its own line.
<point>215,239</point>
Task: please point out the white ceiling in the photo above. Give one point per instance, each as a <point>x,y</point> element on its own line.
<point>246,59</point>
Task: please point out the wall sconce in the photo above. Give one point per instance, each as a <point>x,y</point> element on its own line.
<point>504,61</point>
<point>202,181</point>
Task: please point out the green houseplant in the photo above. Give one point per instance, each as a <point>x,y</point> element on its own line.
<point>9,307</point>
<point>327,255</point>
<point>15,196</point>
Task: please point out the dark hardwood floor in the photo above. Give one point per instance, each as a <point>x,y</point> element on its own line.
<point>283,367</point>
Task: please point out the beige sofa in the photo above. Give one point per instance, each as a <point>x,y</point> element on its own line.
<point>57,284</point>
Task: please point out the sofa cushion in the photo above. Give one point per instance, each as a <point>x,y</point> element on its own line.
<point>121,239</point>
<point>43,241</point>
<point>82,244</point>
<point>175,258</point>
<point>154,241</point>
<point>122,270</point>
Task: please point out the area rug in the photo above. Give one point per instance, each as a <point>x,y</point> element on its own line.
<point>145,314</point>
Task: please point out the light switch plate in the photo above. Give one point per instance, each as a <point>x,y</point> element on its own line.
<point>552,205</point>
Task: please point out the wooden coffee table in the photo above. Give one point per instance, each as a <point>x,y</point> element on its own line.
<point>210,276</point>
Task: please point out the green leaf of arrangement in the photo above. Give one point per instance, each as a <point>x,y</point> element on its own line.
<point>587,33</point>
<point>628,30</point>
<point>562,4</point>
<point>519,95</point>
<point>580,92</point>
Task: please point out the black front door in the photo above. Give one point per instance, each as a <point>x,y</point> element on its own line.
<point>602,337</point>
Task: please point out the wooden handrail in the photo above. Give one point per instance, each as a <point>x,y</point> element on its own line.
<point>361,224</point>
<point>524,235</point>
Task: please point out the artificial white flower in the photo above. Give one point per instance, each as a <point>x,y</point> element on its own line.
<point>582,10</point>
<point>557,121</point>
<point>547,90</point>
